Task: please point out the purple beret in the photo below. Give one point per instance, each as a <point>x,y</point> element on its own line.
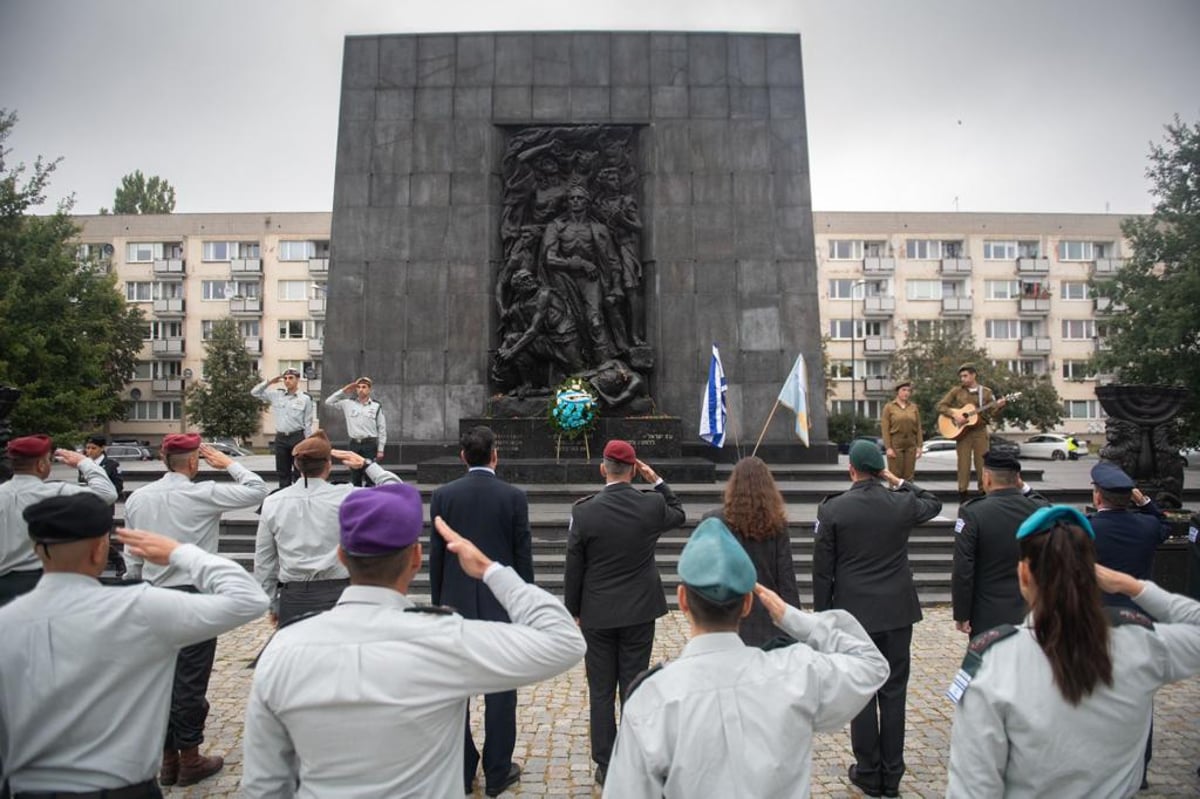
<point>380,520</point>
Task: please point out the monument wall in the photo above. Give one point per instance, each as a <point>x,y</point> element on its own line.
<point>727,244</point>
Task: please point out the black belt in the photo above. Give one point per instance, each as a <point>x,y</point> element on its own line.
<point>364,440</point>
<point>142,789</point>
<point>281,434</point>
<point>312,585</point>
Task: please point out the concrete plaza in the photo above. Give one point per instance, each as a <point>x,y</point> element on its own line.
<point>552,737</point>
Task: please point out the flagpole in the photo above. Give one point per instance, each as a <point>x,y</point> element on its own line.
<point>737,445</point>
<point>770,416</point>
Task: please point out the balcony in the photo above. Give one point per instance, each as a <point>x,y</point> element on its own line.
<point>246,265</point>
<point>879,306</point>
<point>172,387</point>
<point>316,346</point>
<point>169,268</point>
<point>875,265</point>
<point>246,306</point>
<point>1033,266</point>
<point>877,346</point>
<point>1105,305</point>
<point>878,386</point>
<point>956,266</point>
<point>172,308</point>
<point>958,306</point>
<point>1033,306</point>
<point>316,308</point>
<point>1107,266</point>
<point>167,348</point>
<point>254,345</point>
<point>314,386</point>
<point>318,266</point>
<point>1035,345</point>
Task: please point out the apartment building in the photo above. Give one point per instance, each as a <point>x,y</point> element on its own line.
<point>1019,283</point>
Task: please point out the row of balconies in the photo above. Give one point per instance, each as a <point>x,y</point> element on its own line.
<point>875,265</point>
<point>880,306</point>
<point>885,346</point>
<point>176,268</point>
<point>252,306</point>
<point>174,348</point>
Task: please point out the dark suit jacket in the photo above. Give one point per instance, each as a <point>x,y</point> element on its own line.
<point>113,470</point>
<point>772,559</point>
<point>1126,540</point>
<point>611,579</point>
<point>984,586</point>
<point>495,517</point>
<point>860,556</point>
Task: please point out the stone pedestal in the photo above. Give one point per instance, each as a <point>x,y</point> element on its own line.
<point>655,437</point>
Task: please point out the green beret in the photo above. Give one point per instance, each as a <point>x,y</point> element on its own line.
<point>715,565</point>
<point>866,457</point>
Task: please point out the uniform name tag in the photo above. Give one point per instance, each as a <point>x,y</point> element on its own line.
<point>960,525</point>
<point>959,686</point>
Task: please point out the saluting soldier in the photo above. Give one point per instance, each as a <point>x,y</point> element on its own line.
<point>727,719</point>
<point>368,699</point>
<point>86,669</point>
<point>20,567</point>
<point>295,418</point>
<point>900,427</point>
<point>189,511</point>
<point>295,549</point>
<point>365,422</point>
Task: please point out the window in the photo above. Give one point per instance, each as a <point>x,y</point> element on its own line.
<point>1002,289</point>
<point>310,369</point>
<point>1083,250</point>
<point>923,249</point>
<point>165,330</point>
<point>216,289</point>
<point>923,289</point>
<point>999,250</point>
<point>876,249</point>
<point>1029,367</point>
<point>1035,290</point>
<point>167,370</point>
<point>293,289</point>
<point>155,410</point>
<point>249,328</point>
<point>954,288</point>
<point>139,291</point>
<point>167,290</point>
<point>320,290</point>
<point>1029,249</point>
<point>870,408</point>
<point>1083,409</point>
<point>315,329</point>
<point>845,250</point>
<point>869,328</point>
<point>246,289</point>
<point>1077,370</point>
<point>1078,329</point>
<point>1076,290</point>
<point>1002,329</point>
<point>142,370</point>
<point>142,252</point>
<point>952,249</point>
<point>1032,327</point>
<point>291,329</point>
<point>218,250</point>
<point>206,328</point>
<point>297,250</point>
<point>936,328</point>
<point>247,249</point>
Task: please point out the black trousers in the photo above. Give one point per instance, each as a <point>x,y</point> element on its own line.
<point>368,448</point>
<point>615,656</point>
<point>13,584</point>
<point>499,739</point>
<point>296,599</point>
<point>285,465</point>
<point>877,732</point>
<point>189,693</point>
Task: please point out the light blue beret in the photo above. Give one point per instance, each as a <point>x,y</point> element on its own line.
<point>1044,518</point>
<point>715,565</point>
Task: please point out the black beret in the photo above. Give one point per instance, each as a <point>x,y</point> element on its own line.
<point>72,517</point>
<point>99,441</point>
<point>1001,462</point>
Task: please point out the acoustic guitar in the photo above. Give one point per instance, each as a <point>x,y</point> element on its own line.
<point>953,427</point>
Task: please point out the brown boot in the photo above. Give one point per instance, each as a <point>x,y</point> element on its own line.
<point>194,766</point>
<point>170,768</point>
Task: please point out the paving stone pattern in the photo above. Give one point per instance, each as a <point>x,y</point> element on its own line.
<point>552,736</point>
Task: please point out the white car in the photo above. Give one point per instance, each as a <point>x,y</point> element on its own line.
<point>1053,446</point>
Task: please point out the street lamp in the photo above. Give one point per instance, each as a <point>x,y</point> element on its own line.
<point>853,365</point>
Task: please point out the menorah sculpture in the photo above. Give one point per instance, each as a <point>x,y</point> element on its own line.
<point>1141,439</point>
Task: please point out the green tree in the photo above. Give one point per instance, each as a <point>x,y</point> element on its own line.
<point>932,362</point>
<point>222,405</point>
<point>1156,339</point>
<point>138,194</point>
<point>840,425</point>
<point>67,338</point>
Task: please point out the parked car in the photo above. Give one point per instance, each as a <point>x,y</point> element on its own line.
<point>232,450</point>
<point>996,443</point>
<point>1054,446</point>
<point>128,452</point>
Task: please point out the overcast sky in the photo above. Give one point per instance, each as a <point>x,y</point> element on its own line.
<point>1021,105</point>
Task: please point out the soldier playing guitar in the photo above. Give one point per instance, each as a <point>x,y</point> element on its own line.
<point>972,436</point>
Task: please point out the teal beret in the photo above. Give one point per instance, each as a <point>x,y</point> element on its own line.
<point>1044,518</point>
<point>865,456</point>
<point>715,565</point>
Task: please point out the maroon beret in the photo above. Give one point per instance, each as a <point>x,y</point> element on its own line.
<point>380,520</point>
<point>180,442</point>
<point>30,446</point>
<point>620,451</point>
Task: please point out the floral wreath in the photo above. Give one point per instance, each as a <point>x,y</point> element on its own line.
<point>574,409</point>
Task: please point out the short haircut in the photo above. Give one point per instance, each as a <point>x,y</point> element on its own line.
<point>311,467</point>
<point>477,445</point>
<point>177,460</point>
<point>970,369</point>
<point>99,441</point>
<point>1116,499</point>
<point>378,569</point>
<point>617,468</point>
<point>713,615</point>
<point>23,464</point>
<point>1004,477</point>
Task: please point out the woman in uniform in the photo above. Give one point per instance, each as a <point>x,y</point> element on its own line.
<point>900,427</point>
<point>1061,705</point>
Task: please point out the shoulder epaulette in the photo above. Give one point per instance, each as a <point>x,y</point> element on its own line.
<point>583,499</point>
<point>641,678</point>
<point>435,610</point>
<point>971,501</point>
<point>974,659</point>
<point>831,496</point>
<point>1119,617</point>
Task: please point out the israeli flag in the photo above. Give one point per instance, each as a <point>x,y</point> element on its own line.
<point>794,395</point>
<point>713,411</point>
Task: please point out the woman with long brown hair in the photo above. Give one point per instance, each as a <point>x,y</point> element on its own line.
<point>754,512</point>
<point>1061,705</point>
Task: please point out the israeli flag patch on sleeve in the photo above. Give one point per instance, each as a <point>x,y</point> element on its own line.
<point>960,525</point>
<point>959,687</point>
<point>817,529</point>
<point>1192,532</point>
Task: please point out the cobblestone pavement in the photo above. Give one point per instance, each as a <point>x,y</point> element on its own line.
<point>552,738</point>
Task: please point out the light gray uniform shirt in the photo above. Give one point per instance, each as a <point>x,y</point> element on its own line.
<point>86,670</point>
<point>363,419</point>
<point>292,411</point>
<point>726,719</point>
<point>16,550</point>
<point>299,532</point>
<point>367,700</point>
<point>190,512</point>
<point>1015,736</point>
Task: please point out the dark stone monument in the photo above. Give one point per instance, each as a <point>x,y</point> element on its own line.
<point>514,208</point>
<point>1142,440</point>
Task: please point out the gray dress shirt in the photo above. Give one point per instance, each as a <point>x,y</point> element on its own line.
<point>293,412</point>
<point>298,532</point>
<point>16,550</point>
<point>86,670</point>
<point>726,719</point>
<point>367,700</point>
<point>190,512</point>
<point>363,419</point>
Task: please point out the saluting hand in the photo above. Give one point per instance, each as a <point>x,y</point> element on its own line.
<point>70,457</point>
<point>215,458</point>
<point>351,459</point>
<point>770,600</point>
<point>472,561</point>
<point>150,547</point>
<point>648,474</point>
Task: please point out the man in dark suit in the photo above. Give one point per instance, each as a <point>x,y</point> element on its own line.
<point>860,564</point>
<point>495,517</point>
<point>94,449</point>
<point>984,585</point>
<point>1126,539</point>
<point>611,583</point>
